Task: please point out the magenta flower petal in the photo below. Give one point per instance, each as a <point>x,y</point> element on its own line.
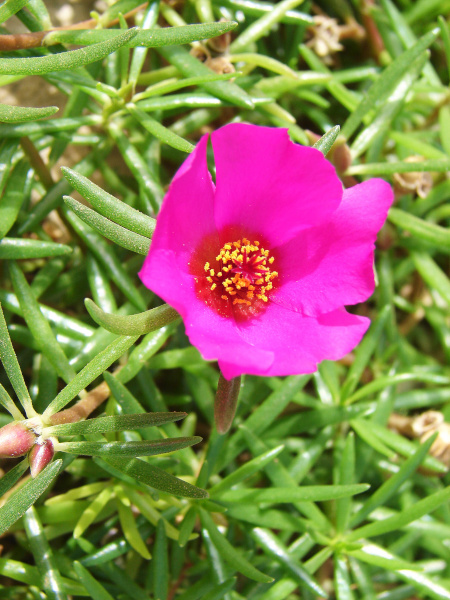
<point>331,266</point>
<point>186,216</point>
<point>214,335</point>
<point>261,266</point>
<point>268,185</point>
<point>299,342</point>
<point>218,338</point>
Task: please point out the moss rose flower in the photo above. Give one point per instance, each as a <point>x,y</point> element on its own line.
<point>261,264</point>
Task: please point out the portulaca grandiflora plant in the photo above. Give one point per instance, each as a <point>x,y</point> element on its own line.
<point>225,362</point>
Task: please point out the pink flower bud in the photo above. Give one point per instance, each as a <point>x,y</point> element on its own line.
<point>15,440</point>
<point>39,457</point>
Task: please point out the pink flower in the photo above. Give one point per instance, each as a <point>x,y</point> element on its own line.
<point>261,264</point>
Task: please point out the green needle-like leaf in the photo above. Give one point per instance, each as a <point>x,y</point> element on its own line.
<point>390,486</point>
<point>114,423</point>
<point>12,477</point>
<point>159,131</point>
<point>107,257</point>
<point>149,38</point>
<point>387,111</point>
<point>423,230</point>
<point>25,573</point>
<point>155,477</point>
<point>139,324</point>
<point>275,495</point>
<point>90,372</point>
<point>39,326</point>
<point>13,197</point>
<point>191,67</point>
<point>445,34</point>
<point>266,62</point>
<point>363,429</point>
<point>160,563</point>
<point>19,249</point>
<point>110,207</point>
<point>326,141</point>
<point>12,367</point>
<point>346,476</point>
<point>235,559</point>
<point>130,529</point>
<point>10,8</point>
<point>378,556</point>
<point>263,25</point>
<point>21,501</point>
<point>432,274</point>
<point>43,556</point>
<point>92,511</point>
<point>21,114</point>
<point>277,550</point>
<point>144,448</point>
<point>116,233</point>
<point>247,470</point>
<point>390,168</point>
<point>419,509</point>
<point>39,65</point>
<point>92,586</point>
<point>381,88</point>
<point>364,352</point>
<point>7,402</point>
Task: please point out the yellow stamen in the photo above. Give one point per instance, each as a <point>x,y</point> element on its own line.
<point>250,268</point>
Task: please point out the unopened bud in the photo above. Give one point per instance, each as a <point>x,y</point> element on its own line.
<point>15,440</point>
<point>39,457</point>
<point>225,402</point>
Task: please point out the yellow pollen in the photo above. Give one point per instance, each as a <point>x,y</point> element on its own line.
<point>244,272</point>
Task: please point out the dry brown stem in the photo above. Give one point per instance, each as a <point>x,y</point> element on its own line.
<point>33,39</point>
<point>84,407</point>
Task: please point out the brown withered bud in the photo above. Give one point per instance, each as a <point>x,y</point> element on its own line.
<point>221,43</point>
<point>427,423</point>
<point>200,52</point>
<point>418,182</point>
<point>441,445</point>
<point>40,455</point>
<point>325,37</point>
<point>422,427</point>
<point>15,440</point>
<point>220,65</point>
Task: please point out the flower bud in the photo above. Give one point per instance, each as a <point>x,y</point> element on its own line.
<point>15,440</point>
<point>39,457</point>
<point>226,402</point>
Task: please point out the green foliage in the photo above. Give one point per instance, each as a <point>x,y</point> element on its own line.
<point>320,488</point>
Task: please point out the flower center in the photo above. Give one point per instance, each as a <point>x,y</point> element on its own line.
<point>243,272</point>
